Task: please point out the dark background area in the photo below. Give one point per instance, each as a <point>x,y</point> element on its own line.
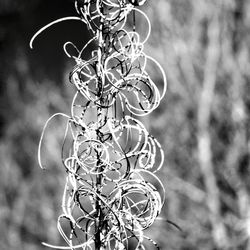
<point>202,123</point>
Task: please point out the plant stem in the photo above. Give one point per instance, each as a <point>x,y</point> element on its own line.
<point>99,177</point>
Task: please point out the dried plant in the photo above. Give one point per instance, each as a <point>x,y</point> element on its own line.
<point>110,193</point>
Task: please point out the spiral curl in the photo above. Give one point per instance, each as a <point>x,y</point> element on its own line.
<point>110,193</point>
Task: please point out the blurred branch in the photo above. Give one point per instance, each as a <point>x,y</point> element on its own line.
<point>204,137</point>
<point>191,191</point>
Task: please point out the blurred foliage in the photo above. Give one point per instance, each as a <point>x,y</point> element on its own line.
<point>203,123</point>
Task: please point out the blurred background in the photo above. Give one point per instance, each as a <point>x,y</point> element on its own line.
<point>203,123</point>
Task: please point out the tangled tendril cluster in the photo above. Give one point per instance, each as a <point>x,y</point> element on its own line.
<point>110,193</point>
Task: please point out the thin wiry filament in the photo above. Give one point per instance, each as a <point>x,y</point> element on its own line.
<point>110,194</point>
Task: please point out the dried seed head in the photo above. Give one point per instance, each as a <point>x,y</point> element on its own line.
<point>108,198</point>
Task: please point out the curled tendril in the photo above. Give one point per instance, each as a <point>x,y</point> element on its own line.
<point>111,192</point>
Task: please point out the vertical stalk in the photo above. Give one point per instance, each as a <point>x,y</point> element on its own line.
<point>205,154</point>
<point>99,177</point>
<point>99,213</point>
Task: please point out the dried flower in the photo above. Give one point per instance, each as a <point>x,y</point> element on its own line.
<point>109,197</point>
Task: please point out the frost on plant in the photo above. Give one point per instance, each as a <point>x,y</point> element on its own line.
<point>110,193</point>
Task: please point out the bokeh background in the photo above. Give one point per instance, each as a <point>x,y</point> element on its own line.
<point>203,123</point>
